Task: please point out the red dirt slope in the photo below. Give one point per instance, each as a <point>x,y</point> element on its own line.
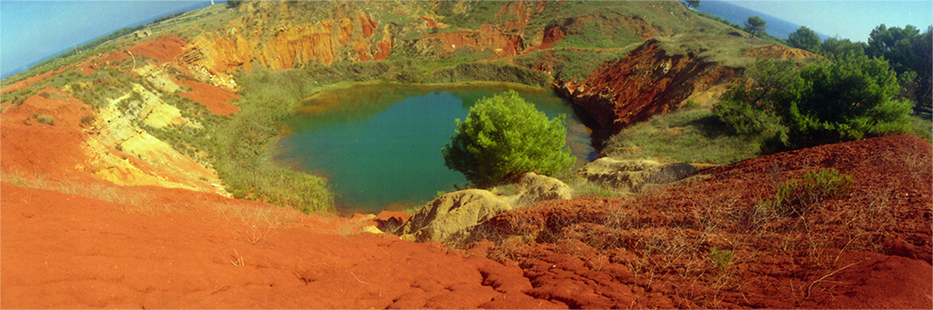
<point>871,249</point>
<point>67,251</point>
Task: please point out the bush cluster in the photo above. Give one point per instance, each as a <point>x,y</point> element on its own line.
<point>828,101</point>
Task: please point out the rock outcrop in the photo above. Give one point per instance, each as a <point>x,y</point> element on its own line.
<point>537,188</point>
<point>449,218</point>
<point>633,175</point>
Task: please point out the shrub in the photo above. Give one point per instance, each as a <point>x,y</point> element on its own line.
<point>45,119</point>
<point>87,120</point>
<point>848,99</point>
<point>504,136</point>
<point>748,107</point>
<point>795,197</point>
<point>722,258</point>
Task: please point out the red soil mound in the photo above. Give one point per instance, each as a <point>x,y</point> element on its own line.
<point>32,147</point>
<point>27,82</point>
<point>116,56</point>
<point>216,99</point>
<point>710,245</point>
<point>164,49</point>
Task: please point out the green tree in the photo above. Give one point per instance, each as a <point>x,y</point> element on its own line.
<point>804,38</point>
<point>923,98</point>
<point>748,107</point>
<point>849,98</point>
<point>909,54</point>
<point>834,46</point>
<point>504,136</point>
<point>693,3</point>
<point>756,26</point>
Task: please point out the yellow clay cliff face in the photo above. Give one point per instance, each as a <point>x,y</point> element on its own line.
<point>119,151</point>
<point>283,42</point>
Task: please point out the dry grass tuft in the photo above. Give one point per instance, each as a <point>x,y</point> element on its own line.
<point>130,200</point>
<point>259,222</point>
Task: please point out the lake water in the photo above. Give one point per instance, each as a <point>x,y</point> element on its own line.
<point>380,144</point>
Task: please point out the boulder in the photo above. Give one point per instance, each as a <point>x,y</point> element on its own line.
<point>671,173</point>
<point>450,218</point>
<point>537,188</point>
<point>632,175</point>
<point>390,221</point>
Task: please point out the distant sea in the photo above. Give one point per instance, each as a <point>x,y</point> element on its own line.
<point>738,15</point>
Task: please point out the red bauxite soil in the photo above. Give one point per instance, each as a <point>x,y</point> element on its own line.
<point>192,251</point>
<point>216,99</point>
<point>164,49</point>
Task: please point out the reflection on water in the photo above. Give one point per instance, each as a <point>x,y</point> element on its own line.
<point>380,144</point>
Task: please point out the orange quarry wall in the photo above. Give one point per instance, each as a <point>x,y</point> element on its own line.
<point>646,82</point>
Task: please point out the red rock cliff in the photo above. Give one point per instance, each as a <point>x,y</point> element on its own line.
<point>646,82</point>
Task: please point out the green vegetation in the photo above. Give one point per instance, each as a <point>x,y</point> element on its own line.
<point>602,31</point>
<point>45,119</point>
<point>823,102</point>
<point>910,55</point>
<point>756,26</point>
<point>721,258</point>
<point>796,196</point>
<point>848,99</point>
<point>692,136</point>
<point>566,64</point>
<point>908,52</point>
<point>18,97</point>
<point>804,39</point>
<point>268,98</point>
<point>748,107</point>
<point>504,136</point>
<point>234,3</point>
<point>410,71</point>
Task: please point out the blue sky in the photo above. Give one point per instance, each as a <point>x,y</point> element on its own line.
<point>851,19</point>
<point>31,31</point>
<point>34,30</point>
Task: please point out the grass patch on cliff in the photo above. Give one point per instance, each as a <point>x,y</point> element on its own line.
<point>568,64</point>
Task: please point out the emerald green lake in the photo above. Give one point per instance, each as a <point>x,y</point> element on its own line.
<point>379,145</point>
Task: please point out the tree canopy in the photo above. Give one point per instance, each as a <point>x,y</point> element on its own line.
<point>505,136</point>
<point>909,53</point>
<point>805,39</point>
<point>755,25</point>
